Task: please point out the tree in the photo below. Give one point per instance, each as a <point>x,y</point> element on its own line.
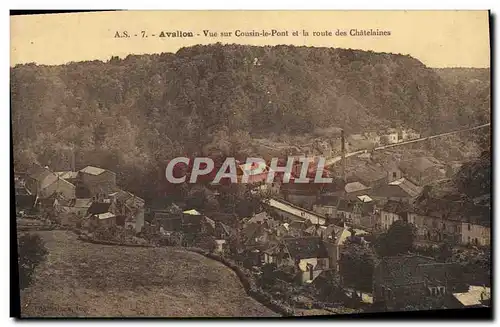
<point>356,265</point>
<point>398,239</point>
<point>32,252</point>
<point>239,199</point>
<point>445,251</point>
<point>384,140</point>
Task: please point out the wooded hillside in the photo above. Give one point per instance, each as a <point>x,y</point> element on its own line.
<point>131,115</point>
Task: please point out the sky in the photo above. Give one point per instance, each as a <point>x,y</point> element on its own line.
<point>437,38</point>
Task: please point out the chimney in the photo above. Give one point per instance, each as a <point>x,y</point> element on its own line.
<point>72,159</point>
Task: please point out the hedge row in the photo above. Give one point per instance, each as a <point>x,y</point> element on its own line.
<point>249,283</point>
<point>104,242</point>
<point>38,228</point>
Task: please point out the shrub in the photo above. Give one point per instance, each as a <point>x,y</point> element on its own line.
<point>32,252</point>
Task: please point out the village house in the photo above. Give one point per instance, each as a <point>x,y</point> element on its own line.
<point>401,190</point>
<point>355,189</point>
<point>410,280</point>
<point>70,176</point>
<point>256,235</point>
<point>99,207</point>
<point>293,229</point>
<point>38,178</point>
<point>192,222</point>
<point>438,220</point>
<point>302,195</point>
<point>392,211</point>
<point>393,171</point>
<point>258,218</point>
<point>390,137</point>
<point>43,183</point>
<point>327,206</point>
<point>476,228</point>
<point>48,206</point>
<point>97,180</point>
<point>77,207</point>
<point>106,219</point>
<point>307,255</point>
<point>436,223</point>
<point>359,213</point>
<point>369,175</point>
<point>222,234</point>
<point>422,171</point>
<point>334,238</point>
<point>289,212</point>
<point>131,207</point>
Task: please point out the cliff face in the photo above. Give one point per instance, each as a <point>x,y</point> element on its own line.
<point>144,109</point>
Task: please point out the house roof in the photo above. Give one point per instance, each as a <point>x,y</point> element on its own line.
<point>298,224</point>
<point>93,170</point>
<point>369,174</point>
<point>259,218</point>
<point>396,207</point>
<point>364,198</point>
<point>226,218</point>
<point>454,210</point>
<point>345,205</point>
<point>328,200</point>
<point>401,188</point>
<point>305,247</point>
<point>249,167</point>
<point>44,176</point>
<point>80,203</point>
<point>338,234</point>
<point>301,188</point>
<point>97,208</point>
<point>300,213</point>
<point>473,296</point>
<point>128,198</point>
<point>105,215</point>
<point>192,212</point>
<point>355,187</point>
<point>38,172</point>
<point>407,186</point>
<point>190,219</point>
<point>67,174</point>
<point>419,165</point>
<point>251,230</point>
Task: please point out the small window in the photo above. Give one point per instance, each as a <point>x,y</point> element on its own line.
<point>468,226</point>
<point>394,175</point>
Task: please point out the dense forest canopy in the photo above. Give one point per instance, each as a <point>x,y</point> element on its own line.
<point>131,115</point>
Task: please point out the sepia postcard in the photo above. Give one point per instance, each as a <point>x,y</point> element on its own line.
<point>209,164</point>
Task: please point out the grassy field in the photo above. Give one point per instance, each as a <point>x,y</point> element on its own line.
<point>89,280</point>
